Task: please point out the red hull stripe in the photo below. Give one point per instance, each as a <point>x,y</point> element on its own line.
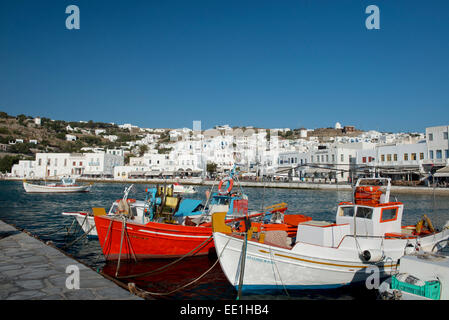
<point>173,235</point>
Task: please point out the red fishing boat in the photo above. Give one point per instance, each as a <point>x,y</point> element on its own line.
<point>166,231</point>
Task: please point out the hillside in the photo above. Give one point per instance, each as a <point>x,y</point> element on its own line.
<point>50,135</point>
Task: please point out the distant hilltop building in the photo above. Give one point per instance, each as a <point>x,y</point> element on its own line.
<point>338,125</point>
<point>37,121</point>
<point>347,129</point>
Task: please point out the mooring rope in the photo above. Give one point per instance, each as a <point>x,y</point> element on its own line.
<point>53,232</point>
<point>167,265</point>
<point>242,265</point>
<point>279,274</point>
<point>79,238</point>
<point>121,244</point>
<point>143,293</point>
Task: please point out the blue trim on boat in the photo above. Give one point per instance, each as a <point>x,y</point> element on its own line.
<point>278,288</point>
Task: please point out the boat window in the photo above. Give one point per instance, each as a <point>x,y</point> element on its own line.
<point>388,214</point>
<point>363,212</point>
<point>133,211</point>
<point>219,200</point>
<point>347,211</point>
<point>200,207</point>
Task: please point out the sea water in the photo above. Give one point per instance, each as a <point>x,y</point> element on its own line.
<point>41,215</point>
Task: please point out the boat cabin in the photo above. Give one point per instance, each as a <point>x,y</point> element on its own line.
<point>374,220</point>
<point>370,214</point>
<point>234,204</point>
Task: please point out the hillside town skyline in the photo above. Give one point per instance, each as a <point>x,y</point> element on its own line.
<point>324,154</point>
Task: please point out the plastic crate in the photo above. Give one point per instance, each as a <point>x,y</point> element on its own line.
<point>430,290</point>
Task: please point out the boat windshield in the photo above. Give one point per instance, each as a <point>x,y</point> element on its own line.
<point>364,212</point>
<point>220,200</point>
<point>347,211</point>
<point>67,181</point>
<point>113,209</point>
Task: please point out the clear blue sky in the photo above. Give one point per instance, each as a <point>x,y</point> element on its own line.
<point>263,63</point>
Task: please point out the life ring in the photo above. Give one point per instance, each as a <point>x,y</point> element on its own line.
<point>230,185</point>
<point>127,200</point>
<point>424,226</point>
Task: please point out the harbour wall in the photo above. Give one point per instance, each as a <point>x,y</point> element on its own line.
<point>258,184</point>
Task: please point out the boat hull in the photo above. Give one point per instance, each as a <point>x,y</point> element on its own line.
<point>86,222</point>
<point>272,268</point>
<point>35,188</point>
<point>152,240</point>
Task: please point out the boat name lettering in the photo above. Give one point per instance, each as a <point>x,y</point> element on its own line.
<point>259,259</point>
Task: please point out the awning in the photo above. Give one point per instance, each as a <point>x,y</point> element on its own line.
<point>443,172</point>
<point>317,171</point>
<point>93,173</point>
<point>136,174</point>
<point>167,173</point>
<point>152,173</point>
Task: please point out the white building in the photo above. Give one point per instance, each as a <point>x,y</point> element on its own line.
<point>101,164</point>
<point>336,162</point>
<point>55,165</point>
<point>24,169</point>
<point>437,145</point>
<point>111,137</point>
<point>70,137</point>
<point>403,161</point>
<point>116,152</point>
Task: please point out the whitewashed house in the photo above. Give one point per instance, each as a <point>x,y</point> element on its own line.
<point>101,164</point>
<point>70,137</point>
<point>24,169</point>
<point>437,145</point>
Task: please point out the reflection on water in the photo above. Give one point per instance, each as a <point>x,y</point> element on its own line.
<point>41,215</point>
<point>164,276</point>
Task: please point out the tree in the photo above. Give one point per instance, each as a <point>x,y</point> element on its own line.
<point>4,115</point>
<point>143,148</point>
<point>211,167</point>
<point>7,162</point>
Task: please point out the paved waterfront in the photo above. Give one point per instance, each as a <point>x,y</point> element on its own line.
<point>258,184</point>
<point>30,269</point>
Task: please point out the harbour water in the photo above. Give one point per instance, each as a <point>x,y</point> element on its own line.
<point>40,214</point>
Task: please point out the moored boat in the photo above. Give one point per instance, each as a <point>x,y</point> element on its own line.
<point>134,210</point>
<point>421,276</point>
<point>168,232</point>
<point>164,231</point>
<point>366,235</point>
<point>67,185</point>
<point>183,189</point>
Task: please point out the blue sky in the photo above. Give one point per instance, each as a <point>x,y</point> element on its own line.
<point>269,64</point>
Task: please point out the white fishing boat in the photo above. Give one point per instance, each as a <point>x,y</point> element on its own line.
<point>181,189</point>
<point>67,185</point>
<point>367,236</point>
<point>134,208</point>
